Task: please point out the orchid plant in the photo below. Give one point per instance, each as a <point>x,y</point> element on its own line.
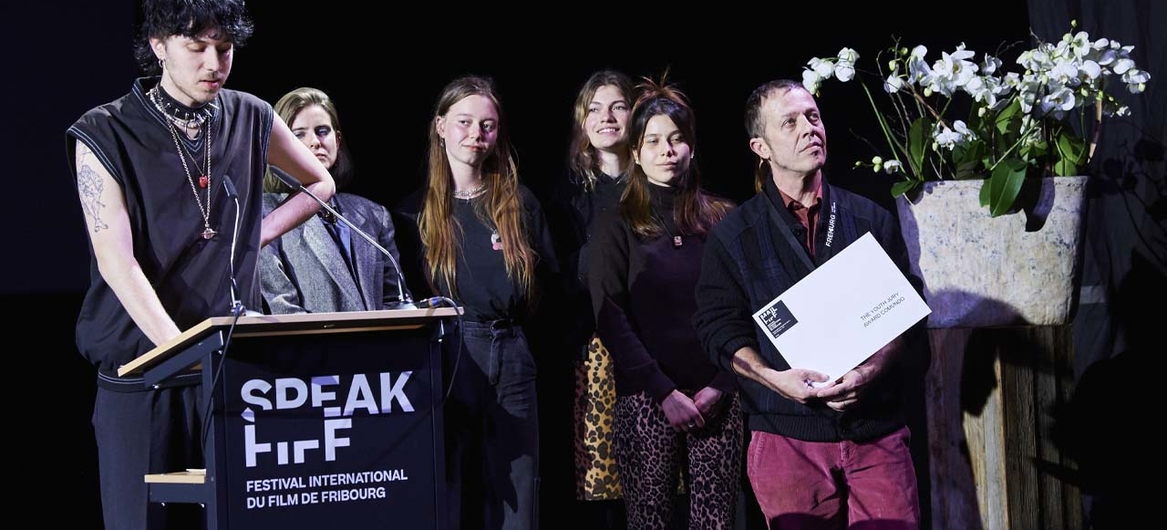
<point>1012,125</point>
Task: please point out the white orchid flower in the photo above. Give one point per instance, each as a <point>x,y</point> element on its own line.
<point>1090,70</point>
<point>1064,72</point>
<point>1058,102</point>
<point>980,91</point>
<point>844,70</point>
<point>824,68</point>
<point>953,70</point>
<point>1136,80</point>
<point>947,138</point>
<point>1055,79</point>
<point>918,68</point>
<point>893,84</point>
<point>1122,65</point>
<point>811,81</point>
<point>990,65</point>
<point>1080,43</point>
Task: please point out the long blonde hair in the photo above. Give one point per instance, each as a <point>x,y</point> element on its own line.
<point>499,207</point>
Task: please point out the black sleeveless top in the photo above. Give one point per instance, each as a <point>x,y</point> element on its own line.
<point>191,275</point>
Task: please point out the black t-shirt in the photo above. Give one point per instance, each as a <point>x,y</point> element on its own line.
<point>484,289</point>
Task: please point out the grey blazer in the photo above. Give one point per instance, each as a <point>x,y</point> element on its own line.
<point>304,271</point>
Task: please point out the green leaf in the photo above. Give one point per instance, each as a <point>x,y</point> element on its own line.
<point>919,136</point>
<point>1004,186</point>
<point>1071,152</point>
<point>898,149</point>
<point>1008,121</point>
<point>968,160</point>
<point>904,186</point>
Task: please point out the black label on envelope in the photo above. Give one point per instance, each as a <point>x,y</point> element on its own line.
<point>777,319</point>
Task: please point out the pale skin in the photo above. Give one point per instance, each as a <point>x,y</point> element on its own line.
<point>606,126</point>
<point>470,130</point>
<point>794,147</point>
<point>194,70</point>
<point>664,154</point>
<point>313,126</point>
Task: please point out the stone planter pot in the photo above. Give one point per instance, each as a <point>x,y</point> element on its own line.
<point>1018,269</point>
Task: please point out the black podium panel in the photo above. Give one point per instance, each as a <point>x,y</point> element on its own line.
<point>328,429</point>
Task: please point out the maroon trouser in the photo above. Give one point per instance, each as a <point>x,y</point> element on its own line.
<point>829,485</point>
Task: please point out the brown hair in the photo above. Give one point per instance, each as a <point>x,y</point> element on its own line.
<point>581,156</point>
<point>756,121</point>
<point>500,206</point>
<point>696,211</point>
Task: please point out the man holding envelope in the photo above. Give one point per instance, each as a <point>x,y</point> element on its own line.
<point>826,450</point>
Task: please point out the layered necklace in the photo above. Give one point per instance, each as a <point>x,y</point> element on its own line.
<point>189,119</point>
<point>472,192</point>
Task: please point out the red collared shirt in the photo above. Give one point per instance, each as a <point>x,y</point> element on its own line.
<point>806,215</point>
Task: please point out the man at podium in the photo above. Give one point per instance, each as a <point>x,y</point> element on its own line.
<point>170,182</point>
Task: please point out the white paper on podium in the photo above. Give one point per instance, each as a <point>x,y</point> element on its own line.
<point>842,312</point>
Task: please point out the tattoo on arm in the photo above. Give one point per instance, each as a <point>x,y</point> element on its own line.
<point>90,185</point>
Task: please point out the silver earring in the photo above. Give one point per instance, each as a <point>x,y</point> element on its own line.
<point>161,63</point>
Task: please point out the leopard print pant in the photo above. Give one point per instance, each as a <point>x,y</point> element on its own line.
<point>651,454</point>
<point>596,477</point>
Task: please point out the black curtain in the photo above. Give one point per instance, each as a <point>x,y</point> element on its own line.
<point>1124,266</point>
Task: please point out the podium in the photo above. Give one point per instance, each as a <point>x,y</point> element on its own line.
<point>313,420</point>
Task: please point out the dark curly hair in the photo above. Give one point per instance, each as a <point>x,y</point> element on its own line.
<point>166,18</point>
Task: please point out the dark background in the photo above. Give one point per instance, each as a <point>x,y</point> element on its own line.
<point>385,68</point>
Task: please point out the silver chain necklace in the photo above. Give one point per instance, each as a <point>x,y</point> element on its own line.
<point>188,119</point>
<point>204,180</point>
<point>470,193</point>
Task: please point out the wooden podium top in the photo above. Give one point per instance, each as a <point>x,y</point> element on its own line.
<point>190,476</point>
<point>259,325</point>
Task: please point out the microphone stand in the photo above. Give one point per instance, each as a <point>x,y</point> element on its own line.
<point>236,304</point>
<point>404,301</point>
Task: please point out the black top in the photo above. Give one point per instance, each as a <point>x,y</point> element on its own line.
<point>587,207</point>
<point>642,291</point>
<point>573,214</point>
<point>751,257</point>
<point>484,289</point>
<point>190,274</point>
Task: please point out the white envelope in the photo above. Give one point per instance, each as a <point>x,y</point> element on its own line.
<point>842,312</point>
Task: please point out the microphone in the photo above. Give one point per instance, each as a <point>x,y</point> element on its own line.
<point>435,301</point>
<point>404,301</point>
<point>236,305</point>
